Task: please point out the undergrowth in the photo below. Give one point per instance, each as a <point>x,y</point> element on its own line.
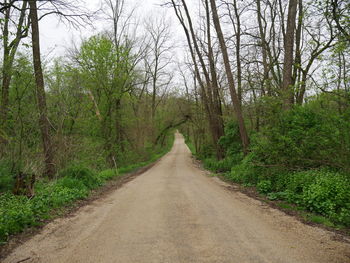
<point>302,159</point>
<point>73,183</point>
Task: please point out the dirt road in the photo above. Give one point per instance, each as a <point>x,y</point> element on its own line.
<point>174,213</point>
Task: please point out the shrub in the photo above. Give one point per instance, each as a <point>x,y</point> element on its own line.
<point>223,165</point>
<point>83,174</point>
<point>108,174</point>
<point>6,178</point>
<point>304,138</point>
<point>231,141</point>
<point>329,195</point>
<point>245,172</point>
<point>15,214</point>
<point>264,187</point>
<point>296,183</point>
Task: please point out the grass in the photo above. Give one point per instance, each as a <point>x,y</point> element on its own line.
<point>286,206</point>
<point>319,220</point>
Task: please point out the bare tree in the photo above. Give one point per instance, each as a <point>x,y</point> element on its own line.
<point>234,96</point>
<point>159,58</point>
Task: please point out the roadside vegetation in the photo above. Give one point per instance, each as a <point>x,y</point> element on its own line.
<point>295,106</point>
<point>73,183</point>
<point>302,158</point>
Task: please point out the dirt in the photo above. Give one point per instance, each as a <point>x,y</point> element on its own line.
<point>172,213</point>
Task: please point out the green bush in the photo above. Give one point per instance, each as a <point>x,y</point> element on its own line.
<point>223,165</point>
<point>6,177</point>
<point>304,137</point>
<point>321,191</point>
<point>206,151</point>
<point>329,195</point>
<point>15,214</point>
<point>286,195</point>
<point>19,212</point>
<point>108,174</point>
<point>245,172</point>
<point>264,187</point>
<point>231,141</point>
<point>298,181</point>
<point>83,174</point>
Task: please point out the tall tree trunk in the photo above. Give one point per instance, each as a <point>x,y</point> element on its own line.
<point>234,96</point>
<point>298,40</point>
<point>217,112</point>
<point>287,83</point>
<point>40,93</point>
<point>265,84</point>
<point>238,51</point>
<point>6,70</point>
<point>10,49</point>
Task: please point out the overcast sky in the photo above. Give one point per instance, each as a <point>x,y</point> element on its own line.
<point>56,36</point>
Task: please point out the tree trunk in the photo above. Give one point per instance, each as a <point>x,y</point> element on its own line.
<point>10,49</point>
<point>287,83</point>
<point>233,93</point>
<point>217,112</point>
<point>265,84</point>
<point>238,51</point>
<point>40,93</point>
<point>298,40</point>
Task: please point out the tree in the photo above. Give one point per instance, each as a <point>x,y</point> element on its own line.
<point>287,83</point>
<point>341,16</point>
<point>158,59</point>
<point>40,93</point>
<point>109,75</point>
<point>234,96</point>
<point>9,51</point>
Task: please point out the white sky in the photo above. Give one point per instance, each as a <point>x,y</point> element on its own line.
<point>55,36</point>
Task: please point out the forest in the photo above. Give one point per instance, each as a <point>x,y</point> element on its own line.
<point>260,89</point>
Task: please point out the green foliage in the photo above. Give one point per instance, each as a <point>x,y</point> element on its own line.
<point>6,177</point>
<point>304,138</point>
<point>206,151</point>
<point>324,192</point>
<point>223,165</point>
<point>320,220</point>
<point>231,141</point>
<point>108,174</point>
<point>244,172</point>
<point>286,195</point>
<point>73,183</point>
<point>232,146</point>
<point>83,174</point>
<point>264,187</point>
<point>329,195</point>
<point>299,181</point>
<point>15,214</point>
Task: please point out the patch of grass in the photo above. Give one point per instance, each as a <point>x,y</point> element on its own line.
<point>108,174</point>
<point>286,206</point>
<point>190,145</point>
<point>320,220</point>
